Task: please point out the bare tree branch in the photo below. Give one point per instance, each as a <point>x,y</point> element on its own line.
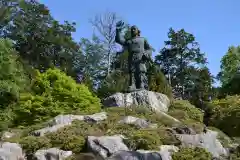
<point>105,26</point>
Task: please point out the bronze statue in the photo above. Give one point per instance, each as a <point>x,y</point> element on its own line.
<point>139,54</point>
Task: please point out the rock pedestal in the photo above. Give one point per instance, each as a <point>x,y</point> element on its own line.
<point>153,100</point>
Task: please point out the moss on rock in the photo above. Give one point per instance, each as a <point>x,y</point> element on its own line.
<point>183,109</point>
<point>192,154</point>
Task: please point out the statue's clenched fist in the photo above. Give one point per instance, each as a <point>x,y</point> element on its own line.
<point>120,25</point>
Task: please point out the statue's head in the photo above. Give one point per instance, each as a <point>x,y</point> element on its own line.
<point>135,31</point>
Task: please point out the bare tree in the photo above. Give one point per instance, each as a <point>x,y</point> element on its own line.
<point>105,25</point>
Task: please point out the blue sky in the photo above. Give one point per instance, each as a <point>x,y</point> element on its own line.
<point>215,23</point>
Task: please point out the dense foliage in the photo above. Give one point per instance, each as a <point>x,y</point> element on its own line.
<point>188,109</point>
<point>12,78</point>
<point>54,93</point>
<point>192,154</point>
<point>225,115</point>
<point>184,64</point>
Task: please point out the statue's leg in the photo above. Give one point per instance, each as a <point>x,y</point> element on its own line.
<point>142,76</point>
<point>132,85</point>
<point>137,79</point>
<point>144,81</point>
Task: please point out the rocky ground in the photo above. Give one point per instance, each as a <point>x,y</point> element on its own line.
<point>142,125</point>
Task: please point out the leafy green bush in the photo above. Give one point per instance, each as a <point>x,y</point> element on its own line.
<point>144,139</point>
<point>64,89</point>
<point>12,77</point>
<point>178,114</point>
<point>158,82</point>
<point>195,125</point>
<point>191,111</point>
<point>54,93</point>
<point>31,144</point>
<point>74,137</point>
<point>6,118</point>
<point>192,154</point>
<point>225,115</point>
<point>67,140</point>
<point>9,92</point>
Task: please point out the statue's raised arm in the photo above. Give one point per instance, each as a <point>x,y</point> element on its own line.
<point>119,38</point>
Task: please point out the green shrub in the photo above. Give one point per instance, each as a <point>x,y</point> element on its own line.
<point>196,126</point>
<point>36,109</point>
<point>178,114</point>
<point>192,154</point>
<point>73,137</point>
<point>123,129</point>
<point>31,144</point>
<point>166,137</point>
<point>82,156</point>
<point>54,93</point>
<point>67,141</point>
<point>140,112</point>
<point>144,139</point>
<point>192,112</point>
<point>64,89</point>
<point>12,77</point>
<point>225,115</point>
<point>9,92</point>
<point>7,116</point>
<point>158,82</point>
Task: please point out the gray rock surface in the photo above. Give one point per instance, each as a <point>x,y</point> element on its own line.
<point>11,151</point>
<point>139,122</point>
<point>135,155</point>
<point>164,154</point>
<point>153,100</point>
<point>207,140</point>
<point>52,154</point>
<point>65,119</point>
<point>96,117</point>
<point>105,146</point>
<point>61,121</point>
<point>167,150</point>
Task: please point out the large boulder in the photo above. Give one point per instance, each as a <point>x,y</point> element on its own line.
<point>11,151</point>
<point>164,154</point>
<point>136,155</point>
<point>106,146</point>
<point>153,100</point>
<point>52,154</point>
<point>207,140</point>
<point>61,121</point>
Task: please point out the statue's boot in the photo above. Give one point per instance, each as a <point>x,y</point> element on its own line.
<point>142,87</point>
<point>131,88</point>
